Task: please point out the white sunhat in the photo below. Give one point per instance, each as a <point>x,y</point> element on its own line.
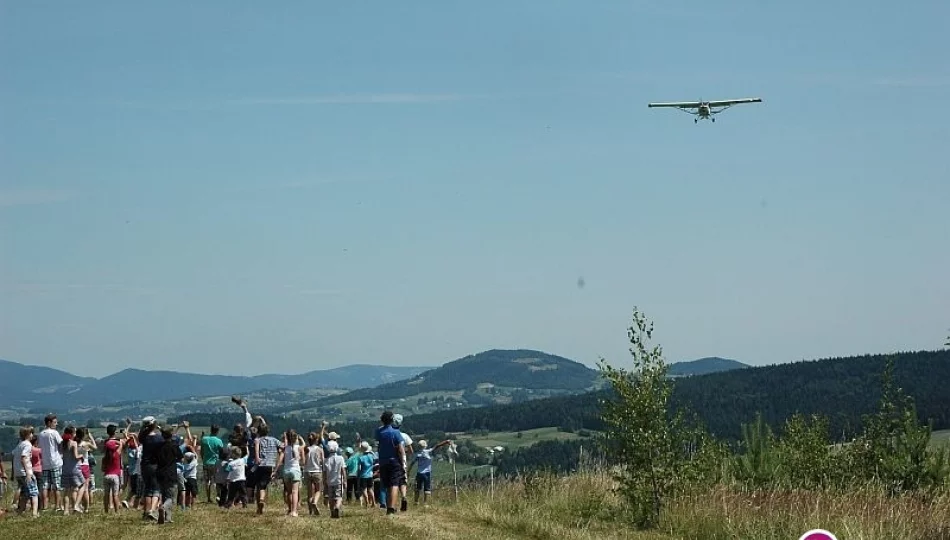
<point>397,420</point>
<point>333,436</point>
<point>332,447</point>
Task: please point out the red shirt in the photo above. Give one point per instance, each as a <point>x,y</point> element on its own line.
<point>36,460</point>
<point>112,463</point>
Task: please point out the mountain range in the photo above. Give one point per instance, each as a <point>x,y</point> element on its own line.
<point>32,387</point>
<point>494,376</point>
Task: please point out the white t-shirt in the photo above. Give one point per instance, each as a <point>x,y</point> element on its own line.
<point>137,468</point>
<point>315,459</point>
<point>190,470</point>
<point>49,441</point>
<point>236,470</point>
<point>334,469</point>
<point>406,440</point>
<point>291,459</point>
<point>24,449</point>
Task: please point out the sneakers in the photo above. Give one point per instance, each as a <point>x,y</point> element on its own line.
<point>237,400</point>
<point>404,506</point>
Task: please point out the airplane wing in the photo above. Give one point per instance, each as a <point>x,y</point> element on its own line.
<point>729,102</point>
<point>677,104</point>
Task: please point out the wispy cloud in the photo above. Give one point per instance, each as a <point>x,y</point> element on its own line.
<point>24,197</point>
<point>287,184</point>
<point>40,288</point>
<point>923,81</point>
<point>321,292</point>
<point>346,99</point>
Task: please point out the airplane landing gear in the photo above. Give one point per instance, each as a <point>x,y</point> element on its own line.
<point>714,120</point>
<point>695,120</point>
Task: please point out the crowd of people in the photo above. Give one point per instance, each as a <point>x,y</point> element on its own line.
<point>157,468</point>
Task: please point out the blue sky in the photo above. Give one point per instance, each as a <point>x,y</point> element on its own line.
<point>248,187</point>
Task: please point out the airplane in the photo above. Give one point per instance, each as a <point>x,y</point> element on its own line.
<point>705,110</point>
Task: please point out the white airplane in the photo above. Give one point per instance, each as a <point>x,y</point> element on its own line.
<point>705,109</point>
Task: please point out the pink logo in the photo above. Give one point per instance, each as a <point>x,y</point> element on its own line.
<point>818,534</point>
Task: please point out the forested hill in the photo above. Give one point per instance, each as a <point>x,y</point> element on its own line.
<point>842,389</point>
<point>520,369</point>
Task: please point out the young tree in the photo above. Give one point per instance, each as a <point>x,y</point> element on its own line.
<point>654,444</point>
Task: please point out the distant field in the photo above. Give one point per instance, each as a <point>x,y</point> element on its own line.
<point>511,441</point>
<point>940,437</point>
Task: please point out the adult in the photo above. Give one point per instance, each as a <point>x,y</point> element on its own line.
<point>50,482</point>
<point>392,460</point>
<point>151,440</point>
<point>211,446</point>
<point>168,457</point>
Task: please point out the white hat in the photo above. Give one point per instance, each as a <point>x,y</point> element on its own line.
<point>332,447</point>
<point>333,436</point>
<point>148,420</point>
<point>397,420</point>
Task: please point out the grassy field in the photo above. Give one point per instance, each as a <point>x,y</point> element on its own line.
<point>510,440</point>
<point>940,437</point>
<point>582,506</point>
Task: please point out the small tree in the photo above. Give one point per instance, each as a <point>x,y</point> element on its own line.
<point>652,442</point>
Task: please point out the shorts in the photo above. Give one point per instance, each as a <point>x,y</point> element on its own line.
<point>85,471</point>
<point>136,485</point>
<point>424,482</point>
<point>392,475</point>
<point>366,483</point>
<point>180,482</point>
<point>334,491</point>
<point>260,478</point>
<point>316,477</point>
<point>73,481</point>
<point>111,482</point>
<point>209,472</point>
<point>28,489</point>
<point>51,479</point>
<point>292,475</point>
<point>191,486</point>
<point>150,485</point>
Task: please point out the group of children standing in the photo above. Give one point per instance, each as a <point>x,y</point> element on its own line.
<point>160,468</point>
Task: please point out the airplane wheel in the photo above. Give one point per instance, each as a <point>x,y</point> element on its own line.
<point>695,120</point>
<point>714,120</point>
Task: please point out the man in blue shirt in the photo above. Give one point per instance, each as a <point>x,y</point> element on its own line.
<point>392,460</point>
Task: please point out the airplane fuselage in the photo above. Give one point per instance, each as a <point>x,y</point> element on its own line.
<point>703,110</point>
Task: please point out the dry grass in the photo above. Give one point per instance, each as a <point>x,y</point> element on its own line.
<point>579,507</point>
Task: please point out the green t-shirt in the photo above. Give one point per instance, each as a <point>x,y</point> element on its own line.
<point>211,446</point>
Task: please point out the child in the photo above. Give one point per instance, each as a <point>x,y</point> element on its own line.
<point>335,473</point>
<point>237,478</point>
<point>190,471</point>
<point>24,473</point>
<point>221,477</point>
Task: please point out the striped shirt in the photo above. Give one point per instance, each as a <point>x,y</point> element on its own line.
<point>269,449</point>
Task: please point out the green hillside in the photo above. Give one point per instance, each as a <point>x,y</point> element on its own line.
<point>486,378</point>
